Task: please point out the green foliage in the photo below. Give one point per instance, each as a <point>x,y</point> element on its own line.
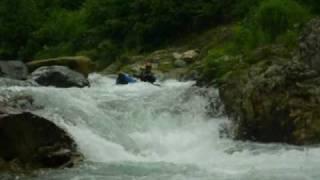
<point>313,5</point>
<point>276,17</point>
<point>218,62</point>
<point>107,52</point>
<point>247,37</point>
<point>289,39</point>
<point>59,34</point>
<point>18,19</point>
<point>272,22</point>
<point>145,24</point>
<point>62,26</point>
<point>62,49</point>
<point>105,29</point>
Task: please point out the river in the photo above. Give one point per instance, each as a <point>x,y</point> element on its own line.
<point>146,132</point>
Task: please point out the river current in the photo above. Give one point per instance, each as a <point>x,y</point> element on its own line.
<point>145,132</point>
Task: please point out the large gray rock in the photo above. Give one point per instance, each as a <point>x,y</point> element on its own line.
<point>32,142</point>
<point>13,69</point>
<point>59,76</point>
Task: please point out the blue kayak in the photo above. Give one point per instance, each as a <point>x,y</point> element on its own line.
<point>125,79</point>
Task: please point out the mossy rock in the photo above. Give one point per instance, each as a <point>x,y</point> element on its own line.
<point>81,64</point>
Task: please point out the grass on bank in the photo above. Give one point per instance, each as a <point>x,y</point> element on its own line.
<point>273,22</point>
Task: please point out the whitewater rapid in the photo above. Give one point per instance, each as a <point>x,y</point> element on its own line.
<point>145,132</point>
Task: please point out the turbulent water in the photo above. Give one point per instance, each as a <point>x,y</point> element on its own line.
<point>146,132</point>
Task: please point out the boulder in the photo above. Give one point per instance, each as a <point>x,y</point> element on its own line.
<point>177,55</point>
<point>190,56</point>
<point>59,76</point>
<point>32,142</point>
<point>79,64</point>
<point>13,69</point>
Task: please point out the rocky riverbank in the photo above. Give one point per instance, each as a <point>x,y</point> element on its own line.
<point>278,98</point>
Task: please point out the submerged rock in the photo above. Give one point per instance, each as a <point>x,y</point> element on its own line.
<point>59,76</point>
<point>31,142</point>
<point>13,69</point>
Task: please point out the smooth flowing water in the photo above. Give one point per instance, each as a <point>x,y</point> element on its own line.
<point>145,132</point>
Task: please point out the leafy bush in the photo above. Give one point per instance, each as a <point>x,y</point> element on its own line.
<point>246,38</point>
<point>63,49</point>
<point>274,21</point>
<point>276,17</point>
<point>18,19</point>
<point>59,35</point>
<point>219,62</point>
<point>314,5</point>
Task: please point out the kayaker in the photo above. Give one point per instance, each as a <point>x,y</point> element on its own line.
<point>146,74</point>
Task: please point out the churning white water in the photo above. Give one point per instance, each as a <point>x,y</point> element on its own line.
<point>146,132</point>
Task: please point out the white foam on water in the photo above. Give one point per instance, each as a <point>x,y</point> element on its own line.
<point>143,123</point>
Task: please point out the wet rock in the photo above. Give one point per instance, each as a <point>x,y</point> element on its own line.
<point>32,142</point>
<point>13,69</point>
<point>80,64</point>
<point>59,76</point>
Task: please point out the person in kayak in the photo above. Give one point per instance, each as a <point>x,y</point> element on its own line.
<point>146,74</point>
